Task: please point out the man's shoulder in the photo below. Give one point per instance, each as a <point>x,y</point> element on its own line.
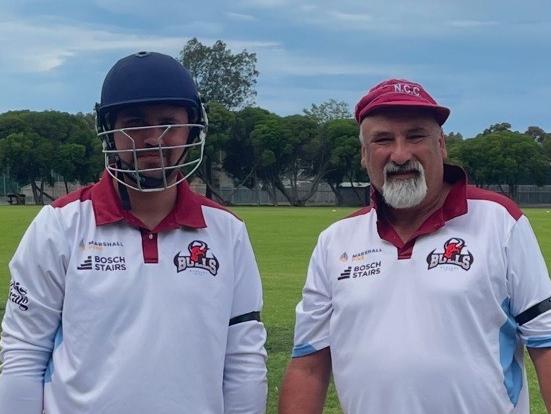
<point>361,212</point>
<point>349,223</point>
<point>81,194</point>
<point>217,208</point>
<point>493,198</point>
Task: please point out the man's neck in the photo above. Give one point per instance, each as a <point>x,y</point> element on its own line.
<point>152,207</point>
<point>406,221</point>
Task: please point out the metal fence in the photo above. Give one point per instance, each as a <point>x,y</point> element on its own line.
<point>527,196</point>
<point>324,196</point>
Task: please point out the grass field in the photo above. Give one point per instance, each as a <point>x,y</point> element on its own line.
<point>283,239</point>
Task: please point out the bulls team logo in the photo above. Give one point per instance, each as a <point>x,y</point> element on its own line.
<point>199,258</point>
<point>454,253</point>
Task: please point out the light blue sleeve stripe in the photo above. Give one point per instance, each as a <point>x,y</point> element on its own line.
<point>57,341</point>
<point>512,372</point>
<point>303,350</point>
<point>539,342</point>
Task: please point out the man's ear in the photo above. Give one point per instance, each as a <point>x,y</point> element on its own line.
<point>363,160</point>
<point>442,144</point>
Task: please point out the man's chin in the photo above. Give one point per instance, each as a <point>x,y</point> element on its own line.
<point>403,204</point>
<point>403,194</point>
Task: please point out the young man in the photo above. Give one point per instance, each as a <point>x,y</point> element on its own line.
<point>135,295</point>
<point>424,301</point>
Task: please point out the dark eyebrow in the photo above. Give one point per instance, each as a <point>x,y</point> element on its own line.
<point>170,117</point>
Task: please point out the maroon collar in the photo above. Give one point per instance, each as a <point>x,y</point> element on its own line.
<point>455,205</point>
<point>187,211</point>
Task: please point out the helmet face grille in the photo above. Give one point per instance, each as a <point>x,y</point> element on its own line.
<point>147,78</point>
<point>161,176</point>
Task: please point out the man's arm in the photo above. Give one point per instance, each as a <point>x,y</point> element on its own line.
<point>541,357</point>
<point>304,386</point>
<point>245,381</point>
<point>33,314</point>
<point>305,383</point>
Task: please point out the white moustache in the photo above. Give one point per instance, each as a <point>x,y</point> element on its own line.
<point>392,168</point>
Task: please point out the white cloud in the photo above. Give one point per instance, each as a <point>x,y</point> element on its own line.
<point>264,4</point>
<point>275,62</point>
<point>468,24</point>
<point>352,17</point>
<point>307,7</point>
<point>240,16</point>
<point>31,47</point>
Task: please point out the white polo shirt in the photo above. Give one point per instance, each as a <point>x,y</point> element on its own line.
<point>428,326</point>
<point>105,316</point>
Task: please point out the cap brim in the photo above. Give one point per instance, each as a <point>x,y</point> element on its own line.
<point>441,113</point>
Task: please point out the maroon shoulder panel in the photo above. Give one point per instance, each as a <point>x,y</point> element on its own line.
<point>360,212</point>
<point>204,201</point>
<point>475,193</point>
<point>81,194</point>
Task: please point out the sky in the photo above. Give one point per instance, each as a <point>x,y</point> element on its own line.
<point>489,61</point>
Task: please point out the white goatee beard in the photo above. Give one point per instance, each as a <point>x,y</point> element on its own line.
<point>404,193</point>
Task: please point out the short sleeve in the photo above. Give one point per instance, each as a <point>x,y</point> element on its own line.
<point>313,313</point>
<point>528,283</point>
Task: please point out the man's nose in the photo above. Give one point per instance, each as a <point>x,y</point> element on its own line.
<point>153,136</point>
<point>401,153</point>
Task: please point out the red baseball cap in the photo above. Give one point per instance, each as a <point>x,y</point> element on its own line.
<point>395,93</point>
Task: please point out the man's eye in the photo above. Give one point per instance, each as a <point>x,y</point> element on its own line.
<point>133,123</point>
<point>171,121</point>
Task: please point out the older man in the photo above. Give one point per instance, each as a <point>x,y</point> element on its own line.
<point>424,301</point>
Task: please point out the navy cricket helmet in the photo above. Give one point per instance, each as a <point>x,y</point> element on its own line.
<point>146,78</point>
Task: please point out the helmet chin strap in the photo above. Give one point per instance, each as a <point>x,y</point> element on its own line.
<point>123,193</point>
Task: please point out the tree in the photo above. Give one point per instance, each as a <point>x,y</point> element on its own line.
<point>536,133</point>
<point>221,75</point>
<point>305,159</point>
<point>453,140</point>
<point>35,146</point>
<point>499,127</point>
<point>345,156</point>
<point>328,111</point>
<point>269,153</point>
<point>286,156</point>
<point>240,161</point>
<point>503,157</point>
<point>221,122</point>
<point>28,156</point>
<point>546,145</point>
<point>453,137</point>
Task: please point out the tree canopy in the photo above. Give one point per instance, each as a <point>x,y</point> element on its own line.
<point>36,146</point>
<point>503,157</point>
<point>328,111</point>
<point>221,76</point>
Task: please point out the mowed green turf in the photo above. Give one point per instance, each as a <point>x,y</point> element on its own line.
<point>283,239</point>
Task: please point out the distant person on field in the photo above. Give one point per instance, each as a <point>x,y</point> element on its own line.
<point>136,295</point>
<point>423,302</point>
